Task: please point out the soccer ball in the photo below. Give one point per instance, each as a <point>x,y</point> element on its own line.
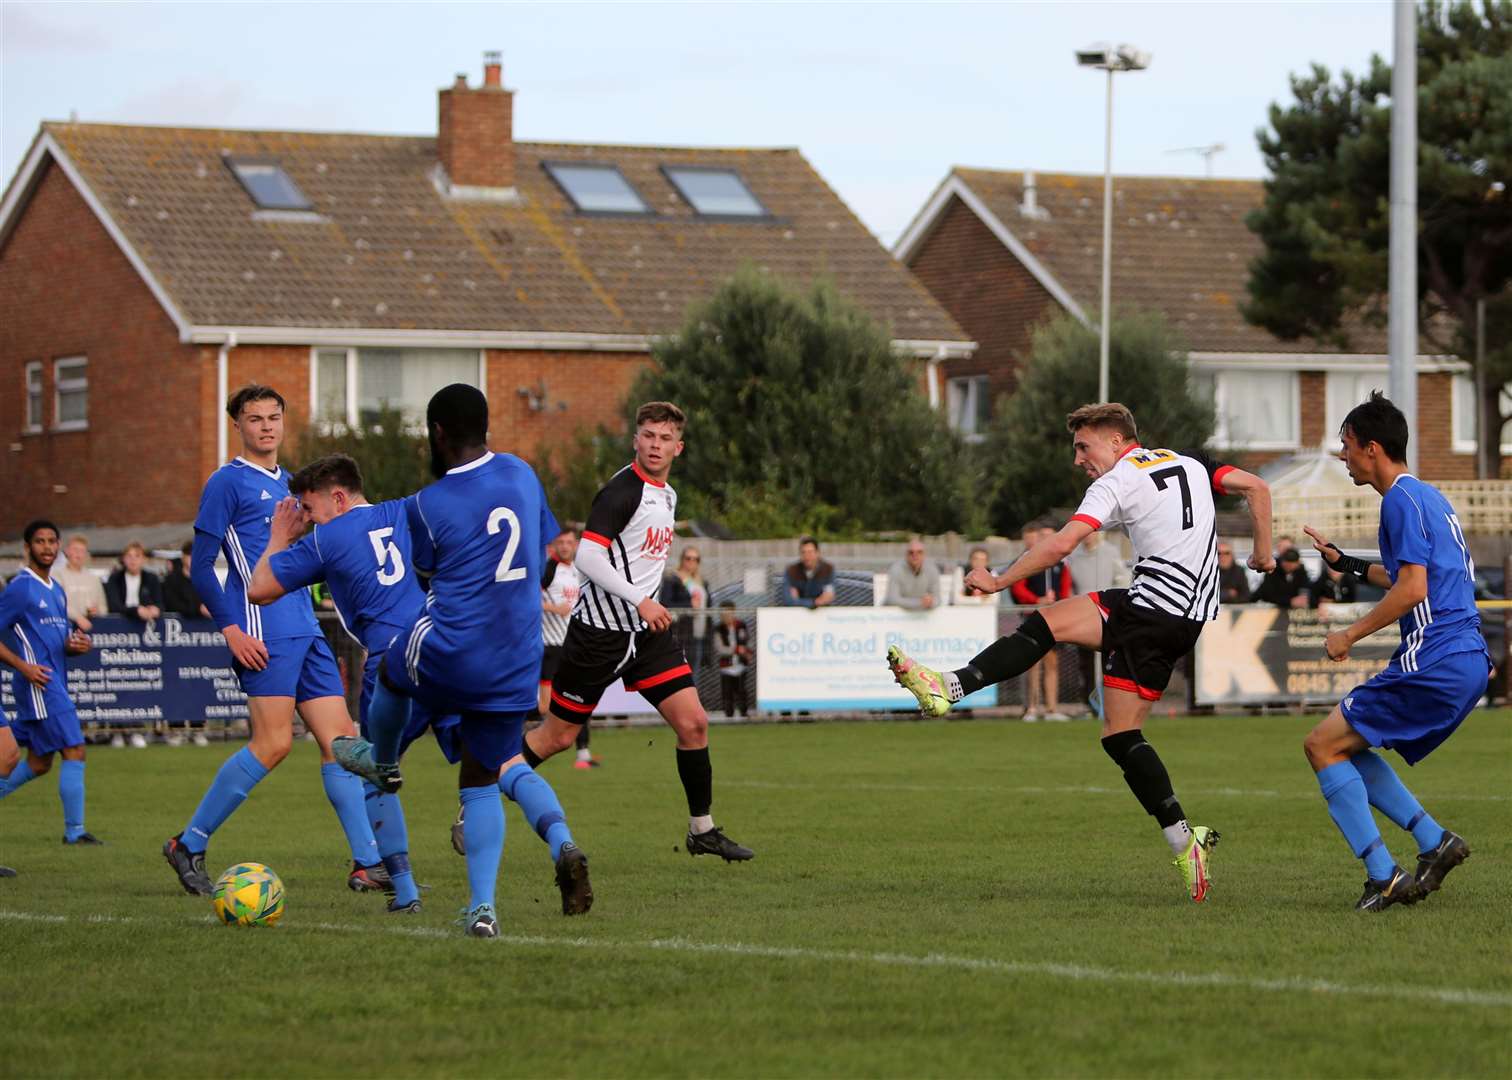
<point>249,894</point>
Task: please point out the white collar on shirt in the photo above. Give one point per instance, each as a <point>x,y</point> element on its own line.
<point>473,464</point>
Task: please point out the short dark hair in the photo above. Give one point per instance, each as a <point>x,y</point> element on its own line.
<point>462,412</point>
<point>804,540</point>
<point>36,526</point>
<point>248,394</point>
<point>660,412</point>
<point>1377,420</point>
<point>187,548</point>
<point>333,470</point>
<point>727,605</point>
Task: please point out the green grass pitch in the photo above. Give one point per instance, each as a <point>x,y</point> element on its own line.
<point>972,898</point>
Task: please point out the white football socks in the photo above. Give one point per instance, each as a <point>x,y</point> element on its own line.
<point>1178,836</point>
<point>953,689</point>
<point>699,825</point>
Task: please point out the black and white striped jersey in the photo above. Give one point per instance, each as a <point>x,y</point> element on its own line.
<point>632,519</point>
<point>559,585</point>
<point>1164,500</point>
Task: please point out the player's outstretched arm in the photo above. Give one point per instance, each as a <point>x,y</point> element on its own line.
<point>1257,499</point>
<point>1042,556</point>
<point>1410,590</point>
<point>1369,572</point>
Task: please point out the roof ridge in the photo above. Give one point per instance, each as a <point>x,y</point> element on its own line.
<point>1044,173</point>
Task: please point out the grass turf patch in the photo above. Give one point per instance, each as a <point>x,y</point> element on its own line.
<point>978,898</point>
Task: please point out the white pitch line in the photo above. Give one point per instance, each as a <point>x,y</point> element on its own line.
<point>1085,789</point>
<point>1070,972</point>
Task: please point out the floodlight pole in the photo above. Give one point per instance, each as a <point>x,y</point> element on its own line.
<point>1402,329</point>
<point>1107,250</point>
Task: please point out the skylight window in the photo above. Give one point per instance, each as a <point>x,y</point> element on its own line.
<point>268,184</point>
<point>600,189</point>
<point>715,192</point>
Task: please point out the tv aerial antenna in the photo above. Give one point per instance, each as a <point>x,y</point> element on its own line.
<point>1207,153</point>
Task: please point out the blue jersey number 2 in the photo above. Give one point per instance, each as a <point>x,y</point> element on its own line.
<point>506,572</point>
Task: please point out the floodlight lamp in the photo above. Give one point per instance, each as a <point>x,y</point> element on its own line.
<point>1131,59</point>
<point>1099,55</point>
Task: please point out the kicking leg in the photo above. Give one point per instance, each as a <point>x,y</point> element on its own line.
<point>1330,748</point>
<point>537,800</point>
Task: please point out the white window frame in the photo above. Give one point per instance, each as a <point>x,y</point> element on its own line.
<point>1220,434</point>
<point>34,424</point>
<point>983,385</point>
<point>351,417</point>
<point>1467,446</point>
<point>72,384</point>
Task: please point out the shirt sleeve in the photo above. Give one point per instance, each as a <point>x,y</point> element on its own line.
<point>422,542</point>
<point>217,505</point>
<point>11,602</point>
<point>1405,527</point>
<point>1216,470</point>
<point>611,511</point>
<point>1099,506</point>
<point>202,574</point>
<point>298,566</point>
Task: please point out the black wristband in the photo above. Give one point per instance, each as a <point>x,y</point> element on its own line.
<point>1348,564</point>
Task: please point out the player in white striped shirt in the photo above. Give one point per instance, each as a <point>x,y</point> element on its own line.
<point>1164,500</point>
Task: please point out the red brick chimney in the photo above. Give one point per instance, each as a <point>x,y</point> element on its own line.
<point>475,135</point>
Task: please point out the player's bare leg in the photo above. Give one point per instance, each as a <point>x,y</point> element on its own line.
<point>685,714</point>
<point>10,752</point>
<point>1051,665</point>
<point>328,720</point>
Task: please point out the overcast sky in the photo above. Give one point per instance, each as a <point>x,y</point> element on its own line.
<point>882,98</point>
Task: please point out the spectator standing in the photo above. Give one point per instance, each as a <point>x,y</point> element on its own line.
<point>86,592</point>
<point>1233,582</point>
<point>732,651</point>
<point>1041,590</point>
<point>137,594</point>
<point>1334,587</point>
<point>133,591</point>
<point>179,593</point>
<point>809,582</point>
<point>979,559</point>
<point>913,582</point>
<point>1287,586</point>
<point>694,628</point>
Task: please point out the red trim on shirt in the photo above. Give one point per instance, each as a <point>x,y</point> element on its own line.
<point>1096,598</point>
<point>657,680</point>
<point>1087,519</point>
<point>596,538</point>
<point>571,706</point>
<point>1218,475</point>
<point>1131,686</point>
<point>1131,448</point>
<point>642,474</point>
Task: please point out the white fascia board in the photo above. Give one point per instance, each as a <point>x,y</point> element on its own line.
<point>20,192</point>
<point>923,224</point>
<point>565,341</point>
<point>1361,362</point>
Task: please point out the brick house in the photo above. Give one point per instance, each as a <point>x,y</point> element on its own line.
<point>146,271</point>
<point>1003,251</point>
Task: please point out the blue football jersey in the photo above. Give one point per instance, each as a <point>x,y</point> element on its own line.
<point>34,625</point>
<point>237,508</point>
<point>364,557</point>
<point>480,534</point>
<point>1418,525</point>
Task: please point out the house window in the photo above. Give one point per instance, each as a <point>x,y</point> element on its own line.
<point>34,399</point>
<point>1466,417</point>
<point>71,394</point>
<point>1344,390</point>
<point>268,184</point>
<point>715,192</point>
<point>351,386</point>
<point>600,189</point>
<point>969,401</point>
<point>1254,410</point>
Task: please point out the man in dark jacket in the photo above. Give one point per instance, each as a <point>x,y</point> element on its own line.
<point>809,582</point>
<point>133,591</point>
<point>179,594</point>
<point>1233,583</point>
<point>1288,585</point>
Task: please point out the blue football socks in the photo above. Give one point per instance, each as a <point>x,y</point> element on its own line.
<point>238,775</point>
<point>388,713</point>
<point>386,816</point>
<point>1390,796</point>
<point>345,792</point>
<point>483,832</point>
<point>18,776</point>
<point>71,792</point>
<point>538,802</point>
<point>1349,807</point>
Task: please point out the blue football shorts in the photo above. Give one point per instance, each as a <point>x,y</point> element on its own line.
<point>302,668</point>
<point>1411,712</point>
<point>445,728</point>
<point>48,734</point>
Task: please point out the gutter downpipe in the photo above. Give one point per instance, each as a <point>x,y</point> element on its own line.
<point>222,391</point>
